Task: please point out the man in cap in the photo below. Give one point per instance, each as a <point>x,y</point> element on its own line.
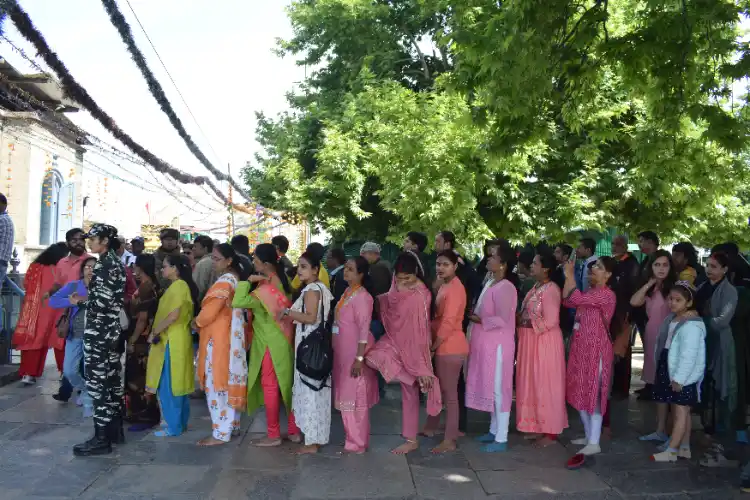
<point>170,239</point>
<point>380,270</point>
<point>105,301</point>
<point>137,246</point>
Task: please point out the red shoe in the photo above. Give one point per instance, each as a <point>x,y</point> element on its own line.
<point>576,461</point>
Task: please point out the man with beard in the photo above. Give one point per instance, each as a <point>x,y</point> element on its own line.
<point>170,239</point>
<point>67,270</point>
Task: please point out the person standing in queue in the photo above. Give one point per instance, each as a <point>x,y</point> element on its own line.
<point>106,298</point>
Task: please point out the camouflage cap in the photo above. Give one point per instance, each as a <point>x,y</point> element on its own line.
<point>102,231</point>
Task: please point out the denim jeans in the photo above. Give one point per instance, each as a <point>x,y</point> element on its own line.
<point>72,367</point>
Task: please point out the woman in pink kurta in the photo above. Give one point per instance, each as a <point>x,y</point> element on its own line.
<point>540,367</point>
<point>591,355</point>
<point>355,385</point>
<point>661,277</point>
<point>403,353</point>
<point>489,379</point>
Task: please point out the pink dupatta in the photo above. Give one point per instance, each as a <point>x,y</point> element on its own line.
<point>403,353</point>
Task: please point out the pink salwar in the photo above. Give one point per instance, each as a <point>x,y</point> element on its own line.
<point>409,410</point>
<point>540,367</point>
<point>448,369</point>
<point>354,397</point>
<point>403,353</point>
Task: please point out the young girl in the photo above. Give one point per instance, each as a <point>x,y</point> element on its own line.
<point>681,355</point>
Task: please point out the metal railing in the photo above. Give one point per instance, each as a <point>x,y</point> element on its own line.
<point>11,298</point>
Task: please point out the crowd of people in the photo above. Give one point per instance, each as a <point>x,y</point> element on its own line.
<point>549,326</point>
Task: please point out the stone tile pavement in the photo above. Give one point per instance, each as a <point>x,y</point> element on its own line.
<point>36,462</point>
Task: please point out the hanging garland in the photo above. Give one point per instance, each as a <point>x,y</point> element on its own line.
<point>119,22</point>
<point>79,94</point>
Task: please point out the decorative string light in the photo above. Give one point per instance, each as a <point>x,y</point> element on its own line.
<point>48,181</point>
<point>9,170</point>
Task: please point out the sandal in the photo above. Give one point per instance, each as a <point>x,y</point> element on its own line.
<point>576,462</point>
<point>715,458</point>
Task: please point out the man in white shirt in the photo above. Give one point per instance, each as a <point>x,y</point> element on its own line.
<point>127,258</point>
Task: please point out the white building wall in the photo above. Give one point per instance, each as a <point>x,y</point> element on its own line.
<point>34,149</point>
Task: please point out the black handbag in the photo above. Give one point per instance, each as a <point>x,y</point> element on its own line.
<point>314,357</point>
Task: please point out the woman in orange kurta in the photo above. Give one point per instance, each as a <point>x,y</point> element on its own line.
<point>540,367</point>
<point>36,329</point>
<point>449,346</point>
<point>222,354</point>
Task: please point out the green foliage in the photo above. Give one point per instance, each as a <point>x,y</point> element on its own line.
<point>522,119</point>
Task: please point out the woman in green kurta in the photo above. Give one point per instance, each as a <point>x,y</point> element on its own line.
<point>169,373</point>
<point>271,365</point>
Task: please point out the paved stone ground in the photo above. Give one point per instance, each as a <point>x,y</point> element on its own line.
<point>37,433</point>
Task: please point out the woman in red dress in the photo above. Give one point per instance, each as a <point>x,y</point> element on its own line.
<point>36,329</point>
<point>590,362</point>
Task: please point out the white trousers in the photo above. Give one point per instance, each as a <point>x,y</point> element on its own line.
<point>500,420</point>
<point>592,424</point>
<point>224,418</point>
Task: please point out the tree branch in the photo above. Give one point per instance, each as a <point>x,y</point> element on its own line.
<point>425,68</point>
<point>578,23</point>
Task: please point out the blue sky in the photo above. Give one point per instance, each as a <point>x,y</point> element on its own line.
<point>219,53</point>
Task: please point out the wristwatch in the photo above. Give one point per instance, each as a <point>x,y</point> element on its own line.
<point>360,358</point>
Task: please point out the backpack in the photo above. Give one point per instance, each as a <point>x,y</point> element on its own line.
<point>314,357</point>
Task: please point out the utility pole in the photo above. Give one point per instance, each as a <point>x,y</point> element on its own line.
<point>231,210</point>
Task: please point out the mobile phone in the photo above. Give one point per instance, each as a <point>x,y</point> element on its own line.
<point>572,257</point>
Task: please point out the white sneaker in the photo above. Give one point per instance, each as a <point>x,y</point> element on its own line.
<point>684,453</point>
<point>28,380</point>
<point>590,449</point>
<point>580,441</point>
<point>664,456</point>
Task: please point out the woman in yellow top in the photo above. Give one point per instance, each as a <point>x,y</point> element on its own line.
<point>685,260</point>
<point>170,373</point>
<point>222,355</point>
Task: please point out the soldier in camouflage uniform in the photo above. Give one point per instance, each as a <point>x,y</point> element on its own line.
<point>105,300</point>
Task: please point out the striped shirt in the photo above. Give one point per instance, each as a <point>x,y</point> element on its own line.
<point>6,237</point>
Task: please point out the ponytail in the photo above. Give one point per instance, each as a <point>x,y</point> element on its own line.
<point>267,253</point>
<point>182,264</point>
<point>238,265</point>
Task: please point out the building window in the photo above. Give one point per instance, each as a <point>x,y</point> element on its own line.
<point>50,207</point>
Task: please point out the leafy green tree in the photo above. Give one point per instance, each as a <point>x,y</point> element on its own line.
<point>521,119</point>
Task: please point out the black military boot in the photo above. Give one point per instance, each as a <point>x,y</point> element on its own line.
<point>115,431</point>
<point>97,445</point>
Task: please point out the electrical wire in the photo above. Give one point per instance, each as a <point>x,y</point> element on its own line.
<point>78,93</point>
<point>157,91</point>
<point>163,65</point>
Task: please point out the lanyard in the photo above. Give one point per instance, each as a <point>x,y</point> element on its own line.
<point>348,295</point>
